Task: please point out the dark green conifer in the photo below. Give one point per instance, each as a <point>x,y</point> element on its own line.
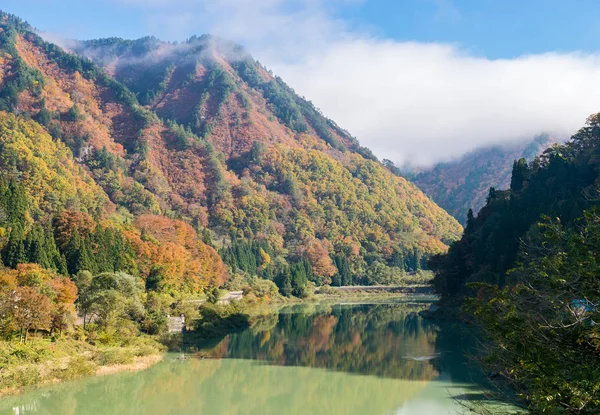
<point>14,251</point>
<point>284,282</point>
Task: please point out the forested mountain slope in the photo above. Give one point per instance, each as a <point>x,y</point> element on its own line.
<point>559,184</point>
<point>528,270</point>
<point>175,149</point>
<point>463,184</point>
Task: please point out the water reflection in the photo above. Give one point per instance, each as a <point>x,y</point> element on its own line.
<point>382,340</point>
<point>376,359</point>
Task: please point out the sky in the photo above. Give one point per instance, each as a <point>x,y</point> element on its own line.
<point>417,81</point>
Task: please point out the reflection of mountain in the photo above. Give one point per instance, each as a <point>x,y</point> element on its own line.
<point>381,340</point>
<point>300,361</point>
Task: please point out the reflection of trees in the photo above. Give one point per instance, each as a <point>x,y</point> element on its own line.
<point>455,342</point>
<point>369,340</point>
<point>373,340</point>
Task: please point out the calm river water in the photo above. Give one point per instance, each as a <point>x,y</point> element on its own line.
<point>311,359</point>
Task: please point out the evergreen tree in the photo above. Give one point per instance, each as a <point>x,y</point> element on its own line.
<point>308,269</point>
<point>79,255</point>
<point>56,260</point>
<point>61,265</point>
<point>491,195</point>
<point>336,280</point>
<point>120,251</point>
<point>154,278</point>
<point>101,241</point>
<point>470,219</point>
<point>284,282</point>
<point>519,175</point>
<point>72,252</point>
<point>16,203</point>
<point>343,276</point>
<point>86,259</point>
<point>14,251</point>
<point>299,280</point>
<point>290,187</point>
<point>74,114</point>
<point>35,248</point>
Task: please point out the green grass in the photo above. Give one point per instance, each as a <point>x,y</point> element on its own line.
<point>41,360</point>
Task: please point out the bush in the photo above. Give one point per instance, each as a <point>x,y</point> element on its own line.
<point>16,353</point>
<point>418,278</point>
<point>326,289</point>
<point>218,321</point>
<point>74,114</point>
<point>20,376</point>
<point>145,350</point>
<point>114,356</point>
<point>78,366</point>
<point>212,295</point>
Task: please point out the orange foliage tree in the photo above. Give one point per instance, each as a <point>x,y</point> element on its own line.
<point>68,221</point>
<point>171,249</point>
<point>317,252</point>
<point>34,298</point>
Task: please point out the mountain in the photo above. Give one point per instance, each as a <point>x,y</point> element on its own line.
<point>557,186</point>
<point>184,149</point>
<point>527,272</point>
<point>463,184</point>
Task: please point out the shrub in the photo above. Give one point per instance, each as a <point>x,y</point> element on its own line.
<point>145,350</point>
<point>20,376</point>
<point>78,366</point>
<point>114,356</point>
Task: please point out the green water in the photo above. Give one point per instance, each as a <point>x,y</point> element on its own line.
<point>341,359</point>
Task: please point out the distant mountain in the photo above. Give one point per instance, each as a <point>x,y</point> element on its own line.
<point>196,140</point>
<point>463,184</point>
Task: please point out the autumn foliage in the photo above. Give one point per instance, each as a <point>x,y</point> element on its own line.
<point>172,247</point>
<point>32,298</point>
<point>138,170</point>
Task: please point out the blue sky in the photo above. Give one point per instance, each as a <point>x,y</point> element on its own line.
<point>494,28</point>
<point>417,81</point>
<point>491,28</point>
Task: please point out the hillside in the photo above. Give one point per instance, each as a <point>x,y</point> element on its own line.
<point>527,268</point>
<point>199,138</point>
<point>463,184</point>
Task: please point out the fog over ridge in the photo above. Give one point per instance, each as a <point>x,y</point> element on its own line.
<point>408,101</point>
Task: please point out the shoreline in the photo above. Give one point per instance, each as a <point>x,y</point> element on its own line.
<point>140,363</point>
<point>24,377</point>
<point>62,369</point>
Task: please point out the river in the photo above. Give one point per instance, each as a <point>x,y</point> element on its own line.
<point>309,359</point>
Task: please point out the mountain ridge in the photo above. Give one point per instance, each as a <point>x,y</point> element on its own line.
<point>225,147</point>
<point>463,184</point>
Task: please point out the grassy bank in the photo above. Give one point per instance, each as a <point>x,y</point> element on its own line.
<point>42,361</point>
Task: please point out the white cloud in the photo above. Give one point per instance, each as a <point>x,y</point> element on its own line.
<point>407,101</point>
<point>424,103</point>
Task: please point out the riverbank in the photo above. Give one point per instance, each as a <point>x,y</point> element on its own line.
<point>382,292</point>
<point>384,358</point>
<point>333,295</point>
<point>41,362</point>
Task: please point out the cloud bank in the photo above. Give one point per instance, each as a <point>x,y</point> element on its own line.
<point>422,103</point>
<point>410,102</point>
